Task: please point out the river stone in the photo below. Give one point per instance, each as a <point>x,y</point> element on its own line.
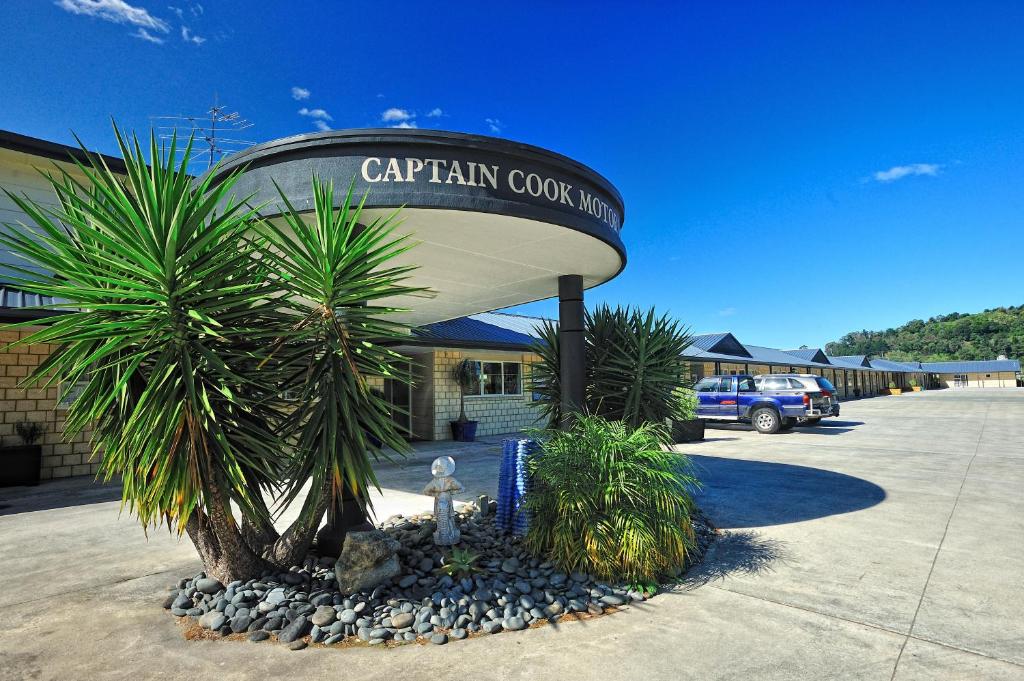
<point>439,639</point>
<point>402,620</point>
<point>514,623</point>
<point>297,645</point>
<point>212,620</point>
<point>492,626</point>
<point>612,599</point>
<point>297,629</point>
<point>407,581</point>
<point>240,624</point>
<point>208,585</point>
<point>323,616</point>
<point>367,560</point>
<point>348,616</point>
<point>259,635</point>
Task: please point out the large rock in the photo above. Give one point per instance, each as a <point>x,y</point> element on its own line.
<point>367,559</point>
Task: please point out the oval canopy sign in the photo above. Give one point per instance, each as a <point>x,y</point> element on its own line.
<point>432,169</point>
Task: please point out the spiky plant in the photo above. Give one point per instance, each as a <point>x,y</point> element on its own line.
<point>460,563</point>
<point>607,499</point>
<point>634,366</point>
<point>165,329</point>
<point>545,374</point>
<point>336,268</point>
<point>190,316</point>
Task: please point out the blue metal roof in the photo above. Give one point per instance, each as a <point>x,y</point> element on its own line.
<point>809,354</point>
<point>489,328</point>
<point>849,361</point>
<point>889,365</point>
<point>971,366</point>
<point>720,343</point>
<point>520,331</point>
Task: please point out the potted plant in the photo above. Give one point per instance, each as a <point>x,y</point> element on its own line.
<point>893,390</point>
<point>21,464</point>
<point>914,386</point>
<point>685,425</point>
<point>467,375</point>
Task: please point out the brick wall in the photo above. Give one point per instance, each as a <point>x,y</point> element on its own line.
<point>496,413</point>
<point>61,458</point>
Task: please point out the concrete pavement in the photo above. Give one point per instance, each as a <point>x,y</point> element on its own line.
<point>885,545</point>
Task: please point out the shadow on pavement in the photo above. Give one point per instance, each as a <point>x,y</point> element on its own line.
<point>739,493</point>
<point>743,552</point>
<point>79,491</point>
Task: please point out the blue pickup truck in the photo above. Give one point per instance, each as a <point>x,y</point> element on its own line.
<point>771,403</point>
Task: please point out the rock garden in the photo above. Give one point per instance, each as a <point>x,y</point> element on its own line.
<point>487,584</point>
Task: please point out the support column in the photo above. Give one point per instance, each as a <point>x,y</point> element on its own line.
<point>572,359</point>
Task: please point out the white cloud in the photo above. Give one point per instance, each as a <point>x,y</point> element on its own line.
<point>406,124</point>
<point>300,93</point>
<point>494,125</point>
<point>118,12</point>
<point>321,125</point>
<point>178,12</point>
<point>435,113</point>
<point>190,37</point>
<point>315,113</point>
<point>394,114</point>
<point>143,34</point>
<point>727,312</point>
<point>899,172</point>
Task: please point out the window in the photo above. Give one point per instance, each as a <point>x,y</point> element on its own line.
<point>726,386</point>
<point>500,378</point>
<point>795,384</point>
<point>747,385</point>
<point>707,385</point>
<point>775,383</point>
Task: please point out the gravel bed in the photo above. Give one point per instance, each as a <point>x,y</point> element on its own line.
<point>511,591</point>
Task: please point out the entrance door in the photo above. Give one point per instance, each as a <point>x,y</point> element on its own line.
<point>959,380</point>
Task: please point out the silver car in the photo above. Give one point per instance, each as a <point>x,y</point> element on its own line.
<point>821,394</point>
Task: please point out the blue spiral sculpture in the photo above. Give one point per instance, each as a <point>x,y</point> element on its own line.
<point>513,481</point>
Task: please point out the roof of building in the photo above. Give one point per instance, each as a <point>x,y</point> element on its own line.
<point>850,361</point>
<point>724,344</point>
<point>53,150</point>
<point>883,364</point>
<point>810,354</point>
<point>488,329</point>
<point>763,355</point>
<point>17,304</point>
<point>971,366</point>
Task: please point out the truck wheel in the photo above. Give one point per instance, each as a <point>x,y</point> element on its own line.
<point>788,423</point>
<point>766,420</point>
<point>813,421</point>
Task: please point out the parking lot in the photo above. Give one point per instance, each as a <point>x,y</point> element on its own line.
<point>885,544</point>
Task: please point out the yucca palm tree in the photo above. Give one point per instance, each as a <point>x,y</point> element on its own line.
<point>190,316</point>
<point>634,366</point>
<point>336,270</point>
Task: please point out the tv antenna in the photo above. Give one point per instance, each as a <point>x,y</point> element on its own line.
<point>217,128</point>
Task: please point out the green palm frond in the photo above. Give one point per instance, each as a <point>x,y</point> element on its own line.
<point>335,266</point>
<point>168,306</point>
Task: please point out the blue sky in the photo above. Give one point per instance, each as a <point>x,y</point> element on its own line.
<point>791,171</point>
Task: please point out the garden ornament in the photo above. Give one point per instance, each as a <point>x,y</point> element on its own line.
<point>441,488</point>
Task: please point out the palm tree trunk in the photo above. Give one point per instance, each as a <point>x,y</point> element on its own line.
<point>294,543</point>
<point>218,539</point>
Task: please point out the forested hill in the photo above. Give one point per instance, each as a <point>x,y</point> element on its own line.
<point>983,335</point>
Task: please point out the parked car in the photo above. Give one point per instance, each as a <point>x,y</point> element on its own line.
<point>771,404</point>
<point>823,395</point>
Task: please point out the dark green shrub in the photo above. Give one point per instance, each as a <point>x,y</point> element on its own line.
<point>607,499</point>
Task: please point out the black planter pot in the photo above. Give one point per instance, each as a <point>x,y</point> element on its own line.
<point>20,465</point>
<point>688,431</point>
<point>463,431</point>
